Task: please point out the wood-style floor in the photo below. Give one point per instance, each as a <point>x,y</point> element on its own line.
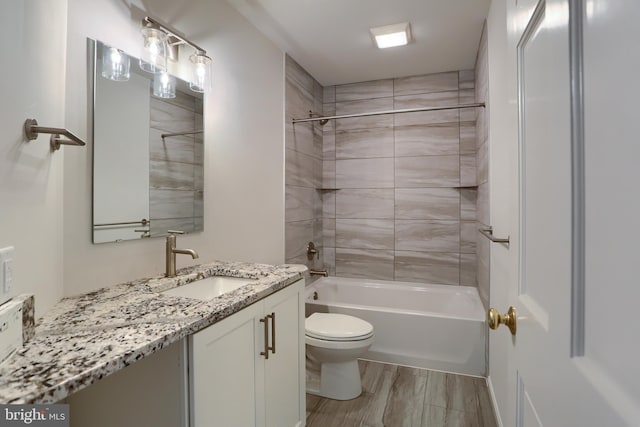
<point>397,396</point>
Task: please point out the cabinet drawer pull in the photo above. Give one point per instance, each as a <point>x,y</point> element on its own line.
<point>273,332</point>
<point>265,353</point>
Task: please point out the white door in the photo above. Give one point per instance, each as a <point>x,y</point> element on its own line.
<point>572,361</point>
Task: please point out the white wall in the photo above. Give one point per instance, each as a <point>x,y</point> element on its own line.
<point>244,142</point>
<point>33,36</point>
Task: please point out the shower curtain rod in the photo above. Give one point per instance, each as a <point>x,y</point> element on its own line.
<point>377,113</point>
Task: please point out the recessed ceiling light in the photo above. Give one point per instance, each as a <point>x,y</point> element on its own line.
<point>392,35</point>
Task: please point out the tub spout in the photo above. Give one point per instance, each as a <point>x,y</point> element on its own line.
<point>322,273</point>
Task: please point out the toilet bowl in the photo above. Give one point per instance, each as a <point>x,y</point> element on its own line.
<point>333,344</point>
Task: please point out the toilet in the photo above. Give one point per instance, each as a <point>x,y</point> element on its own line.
<point>333,344</point>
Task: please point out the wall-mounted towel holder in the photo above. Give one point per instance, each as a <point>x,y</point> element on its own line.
<point>32,130</point>
<point>488,233</point>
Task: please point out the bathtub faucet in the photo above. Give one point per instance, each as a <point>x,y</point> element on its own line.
<point>322,273</point>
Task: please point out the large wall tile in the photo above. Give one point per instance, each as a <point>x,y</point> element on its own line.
<point>165,204</point>
<point>170,118</point>
<point>427,235</point>
<point>364,143</point>
<point>468,138</point>
<point>329,174</point>
<point>427,118</point>
<point>468,268</point>
<point>482,207</point>
<point>302,170</point>
<point>364,90</point>
<point>303,138</point>
<point>298,234</point>
<point>427,267</point>
<point>468,236</point>
<point>424,100</point>
<point>466,79</point>
<point>372,264</point>
<point>468,200</point>
<point>171,175</point>
<point>364,233</point>
<point>427,171</point>
<point>467,96</point>
<point>328,204</point>
<point>329,259</point>
<point>328,94</point>
<point>301,203</point>
<point>468,170</point>
<point>329,146</point>
<point>427,140</point>
<point>329,232</point>
<point>364,106</point>
<point>365,203</point>
<point>426,83</point>
<point>482,163</point>
<point>427,203</point>
<point>174,149</point>
<point>364,173</point>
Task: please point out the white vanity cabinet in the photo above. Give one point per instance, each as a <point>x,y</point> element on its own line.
<point>248,369</point>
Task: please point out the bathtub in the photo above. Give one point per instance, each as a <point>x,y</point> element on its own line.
<point>428,326</point>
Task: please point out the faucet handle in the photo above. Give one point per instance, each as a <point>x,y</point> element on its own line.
<point>175,231</point>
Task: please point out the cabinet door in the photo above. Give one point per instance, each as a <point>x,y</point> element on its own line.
<point>284,370</point>
<point>222,371</point>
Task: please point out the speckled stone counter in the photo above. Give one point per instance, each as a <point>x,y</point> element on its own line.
<point>87,337</point>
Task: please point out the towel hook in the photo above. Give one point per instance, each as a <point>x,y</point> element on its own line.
<point>32,130</point>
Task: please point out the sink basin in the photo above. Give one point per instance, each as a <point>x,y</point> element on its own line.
<point>208,288</point>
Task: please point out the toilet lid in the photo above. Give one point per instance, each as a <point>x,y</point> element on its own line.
<point>337,327</point>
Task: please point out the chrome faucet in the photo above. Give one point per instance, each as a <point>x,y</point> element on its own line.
<point>172,251</point>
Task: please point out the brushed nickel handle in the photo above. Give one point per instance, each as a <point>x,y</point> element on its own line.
<point>273,332</point>
<point>496,319</point>
<point>265,353</point>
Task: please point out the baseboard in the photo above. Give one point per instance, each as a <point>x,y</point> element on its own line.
<point>492,396</point>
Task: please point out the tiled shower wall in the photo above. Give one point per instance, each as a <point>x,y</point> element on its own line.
<point>175,165</point>
<point>399,191</point>
<point>303,166</point>
<point>482,166</point>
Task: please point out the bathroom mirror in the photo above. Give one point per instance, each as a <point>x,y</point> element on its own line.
<point>147,153</point>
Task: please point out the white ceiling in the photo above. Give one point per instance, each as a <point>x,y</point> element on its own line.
<point>331,39</point>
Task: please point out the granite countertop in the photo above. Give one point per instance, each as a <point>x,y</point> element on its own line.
<point>87,337</point>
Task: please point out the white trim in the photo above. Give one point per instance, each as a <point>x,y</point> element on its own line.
<point>494,402</point>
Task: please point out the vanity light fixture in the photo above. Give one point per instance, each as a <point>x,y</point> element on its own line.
<point>115,64</point>
<point>164,85</point>
<point>163,43</point>
<point>154,53</point>
<point>392,35</point>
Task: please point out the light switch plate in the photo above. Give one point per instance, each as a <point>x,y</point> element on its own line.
<point>7,256</point>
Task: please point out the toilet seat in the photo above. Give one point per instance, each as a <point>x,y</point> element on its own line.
<point>337,327</point>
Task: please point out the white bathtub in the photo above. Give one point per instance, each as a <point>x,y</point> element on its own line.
<point>437,327</point>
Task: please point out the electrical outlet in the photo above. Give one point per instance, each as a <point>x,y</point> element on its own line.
<point>7,255</point>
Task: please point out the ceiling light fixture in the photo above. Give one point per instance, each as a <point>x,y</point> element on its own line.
<point>161,44</point>
<point>392,35</point>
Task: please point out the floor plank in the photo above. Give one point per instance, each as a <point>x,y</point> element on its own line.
<point>398,396</point>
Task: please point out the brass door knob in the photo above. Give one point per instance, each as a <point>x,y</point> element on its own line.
<point>496,319</point>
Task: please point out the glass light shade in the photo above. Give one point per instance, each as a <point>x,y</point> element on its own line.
<point>201,74</point>
<point>164,85</point>
<point>115,64</point>
<point>154,54</point>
